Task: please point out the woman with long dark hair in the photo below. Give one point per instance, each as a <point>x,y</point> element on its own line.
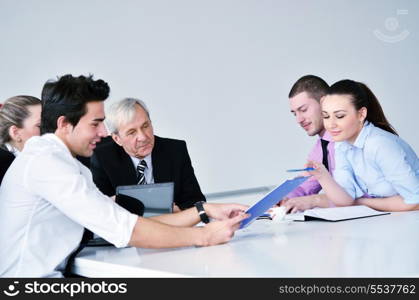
<point>374,166</point>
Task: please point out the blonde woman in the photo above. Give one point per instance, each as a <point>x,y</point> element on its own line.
<point>20,119</point>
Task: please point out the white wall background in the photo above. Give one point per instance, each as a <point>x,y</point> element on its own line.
<point>217,73</point>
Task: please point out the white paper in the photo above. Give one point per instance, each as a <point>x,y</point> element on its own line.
<point>336,213</point>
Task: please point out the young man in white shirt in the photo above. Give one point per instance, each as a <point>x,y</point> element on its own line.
<point>48,197</point>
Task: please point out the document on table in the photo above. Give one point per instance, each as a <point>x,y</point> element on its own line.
<point>335,214</point>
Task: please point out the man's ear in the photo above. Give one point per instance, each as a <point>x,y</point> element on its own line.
<point>63,125</point>
<point>116,138</point>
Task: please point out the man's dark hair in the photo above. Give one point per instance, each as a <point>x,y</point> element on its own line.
<point>312,85</point>
<point>67,96</point>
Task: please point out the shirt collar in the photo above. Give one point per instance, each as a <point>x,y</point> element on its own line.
<point>360,140</point>
<point>136,160</point>
<point>12,149</point>
<point>52,136</point>
<point>326,136</point>
<point>363,135</point>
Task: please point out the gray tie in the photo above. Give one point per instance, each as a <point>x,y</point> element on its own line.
<point>140,172</point>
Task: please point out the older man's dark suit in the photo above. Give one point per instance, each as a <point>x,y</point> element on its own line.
<point>111,166</point>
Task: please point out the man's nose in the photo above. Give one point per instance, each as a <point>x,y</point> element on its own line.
<point>141,136</point>
<point>102,130</point>
<point>300,117</point>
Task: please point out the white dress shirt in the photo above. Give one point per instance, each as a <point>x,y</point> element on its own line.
<point>148,172</point>
<point>46,199</point>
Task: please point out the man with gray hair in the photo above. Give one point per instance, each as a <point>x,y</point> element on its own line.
<point>134,155</point>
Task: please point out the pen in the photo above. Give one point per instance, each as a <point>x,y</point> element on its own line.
<point>301,170</point>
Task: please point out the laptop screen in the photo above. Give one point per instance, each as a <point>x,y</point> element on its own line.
<point>157,198</point>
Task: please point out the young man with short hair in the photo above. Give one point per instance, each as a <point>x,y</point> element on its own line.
<point>304,101</point>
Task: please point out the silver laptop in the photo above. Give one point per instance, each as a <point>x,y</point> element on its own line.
<point>157,197</point>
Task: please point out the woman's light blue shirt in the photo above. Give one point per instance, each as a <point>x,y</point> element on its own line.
<point>378,164</point>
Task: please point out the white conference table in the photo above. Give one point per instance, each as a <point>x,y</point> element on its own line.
<point>382,246</point>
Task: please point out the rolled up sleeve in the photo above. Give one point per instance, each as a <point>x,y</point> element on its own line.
<point>399,165</point>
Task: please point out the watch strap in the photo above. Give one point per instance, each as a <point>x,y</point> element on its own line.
<point>201,211</point>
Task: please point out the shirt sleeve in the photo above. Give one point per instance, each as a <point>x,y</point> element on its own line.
<point>399,166</point>
<point>57,178</point>
<point>344,174</point>
<point>310,186</point>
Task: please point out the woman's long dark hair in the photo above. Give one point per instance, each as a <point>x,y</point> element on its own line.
<point>362,96</point>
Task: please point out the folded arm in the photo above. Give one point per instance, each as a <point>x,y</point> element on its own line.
<point>394,203</point>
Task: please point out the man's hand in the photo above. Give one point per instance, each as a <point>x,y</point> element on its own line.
<point>220,232</point>
<point>224,211</point>
<point>281,203</point>
<point>298,204</point>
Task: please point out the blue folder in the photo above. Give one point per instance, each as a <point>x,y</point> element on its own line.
<point>271,199</point>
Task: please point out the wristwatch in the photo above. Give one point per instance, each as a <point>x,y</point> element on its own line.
<point>201,211</point>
